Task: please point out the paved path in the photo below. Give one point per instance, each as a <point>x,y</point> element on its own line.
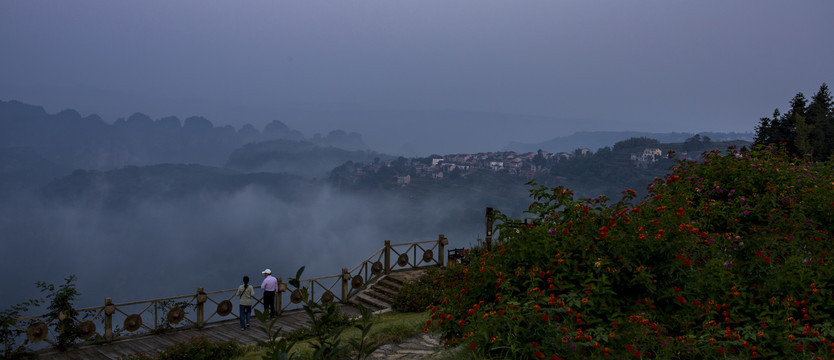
<point>425,346</point>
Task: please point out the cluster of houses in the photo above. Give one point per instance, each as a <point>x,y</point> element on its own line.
<point>508,162</point>
<point>647,157</point>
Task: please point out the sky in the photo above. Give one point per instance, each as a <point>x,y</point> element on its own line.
<point>658,66</point>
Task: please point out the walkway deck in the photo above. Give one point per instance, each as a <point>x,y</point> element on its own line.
<point>220,331</point>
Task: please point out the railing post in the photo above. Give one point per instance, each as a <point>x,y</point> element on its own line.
<point>489,218</point>
<point>201,304</point>
<point>279,296</point>
<point>387,257</point>
<point>345,279</point>
<point>442,241</point>
<point>109,310</point>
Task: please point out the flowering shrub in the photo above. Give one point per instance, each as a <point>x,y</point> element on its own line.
<point>197,348</point>
<point>726,257</point>
<point>416,295</point>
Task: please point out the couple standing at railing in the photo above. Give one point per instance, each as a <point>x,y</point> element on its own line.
<point>246,293</point>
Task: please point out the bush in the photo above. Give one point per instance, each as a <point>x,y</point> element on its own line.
<point>725,257</point>
<point>61,311</point>
<point>198,348</point>
<point>417,295</point>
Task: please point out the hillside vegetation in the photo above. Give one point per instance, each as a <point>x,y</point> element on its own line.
<point>727,257</point>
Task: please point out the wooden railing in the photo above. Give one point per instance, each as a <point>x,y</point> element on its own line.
<point>110,321</point>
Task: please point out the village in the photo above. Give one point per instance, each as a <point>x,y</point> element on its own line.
<point>401,171</point>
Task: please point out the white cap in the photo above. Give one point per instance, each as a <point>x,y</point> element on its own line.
<point>267,271</point>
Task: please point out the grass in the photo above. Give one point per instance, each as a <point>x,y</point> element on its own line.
<point>389,328</point>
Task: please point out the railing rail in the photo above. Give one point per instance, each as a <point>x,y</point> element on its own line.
<point>201,308</point>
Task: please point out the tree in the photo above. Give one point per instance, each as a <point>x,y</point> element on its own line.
<point>9,332</point>
<point>804,133</point>
<point>820,115</point>
<point>766,130</point>
<point>697,142</point>
<point>539,159</point>
<point>806,128</point>
<point>636,142</point>
<point>61,311</point>
<point>693,143</point>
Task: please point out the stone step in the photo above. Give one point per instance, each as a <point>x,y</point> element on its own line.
<point>392,281</point>
<point>388,299</point>
<point>396,278</point>
<point>369,302</point>
<point>385,290</point>
<point>380,294</point>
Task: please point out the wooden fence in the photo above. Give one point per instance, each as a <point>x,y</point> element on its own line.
<point>110,321</point>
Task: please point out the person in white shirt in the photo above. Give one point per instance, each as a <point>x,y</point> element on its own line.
<point>270,287</point>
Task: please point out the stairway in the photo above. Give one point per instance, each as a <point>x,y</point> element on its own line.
<point>379,295</point>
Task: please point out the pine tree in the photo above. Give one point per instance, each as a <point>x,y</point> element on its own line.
<point>805,128</point>
<point>804,135</point>
<point>766,130</point>
<point>820,115</point>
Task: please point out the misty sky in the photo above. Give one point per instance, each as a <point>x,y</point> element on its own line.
<point>590,65</point>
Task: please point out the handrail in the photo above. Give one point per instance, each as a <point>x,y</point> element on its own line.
<point>200,308</point>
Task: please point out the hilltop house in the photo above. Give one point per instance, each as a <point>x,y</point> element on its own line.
<point>648,156</point>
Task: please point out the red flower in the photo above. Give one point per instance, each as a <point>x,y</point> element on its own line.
<point>538,354</point>
<point>473,346</point>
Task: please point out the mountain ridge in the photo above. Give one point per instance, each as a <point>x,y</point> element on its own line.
<point>90,143</point>
<point>598,139</point>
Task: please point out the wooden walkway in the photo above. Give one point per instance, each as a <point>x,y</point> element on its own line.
<point>220,331</point>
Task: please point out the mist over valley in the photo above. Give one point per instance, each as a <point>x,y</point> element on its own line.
<point>145,208</point>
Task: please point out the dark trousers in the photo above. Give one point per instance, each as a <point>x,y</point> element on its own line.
<point>269,302</point>
<point>245,312</point>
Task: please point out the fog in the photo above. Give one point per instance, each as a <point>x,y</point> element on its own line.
<point>163,248</point>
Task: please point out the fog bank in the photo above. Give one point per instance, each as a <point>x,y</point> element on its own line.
<point>161,248</point>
